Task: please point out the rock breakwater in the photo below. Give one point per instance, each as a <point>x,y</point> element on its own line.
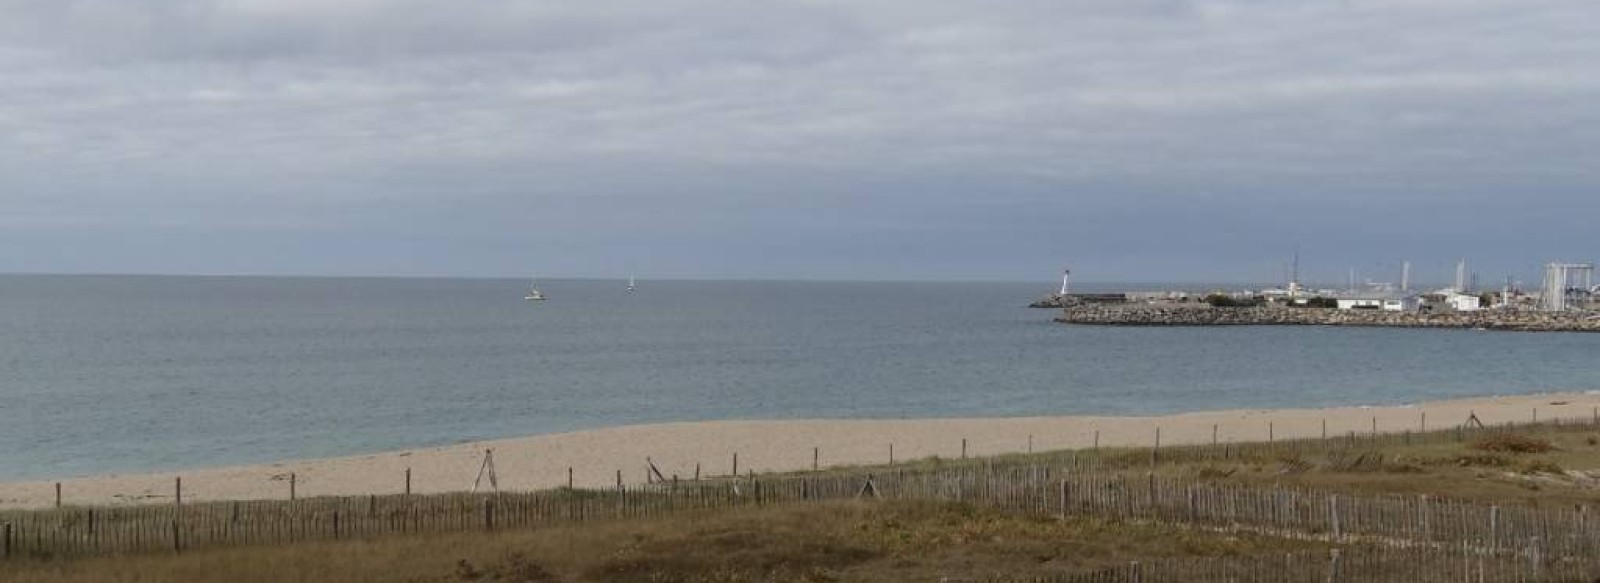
<point>1190,315</point>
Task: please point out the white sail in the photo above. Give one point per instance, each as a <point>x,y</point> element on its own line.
<point>631,285</point>
<point>533,290</point>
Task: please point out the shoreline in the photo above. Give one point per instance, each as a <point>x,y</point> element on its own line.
<point>596,455</point>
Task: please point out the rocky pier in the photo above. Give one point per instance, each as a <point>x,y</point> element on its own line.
<point>1202,315</point>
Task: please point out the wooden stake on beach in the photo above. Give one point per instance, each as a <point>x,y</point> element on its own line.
<point>1324,428</point>
<point>1213,434</point>
<point>736,464</point>
<point>569,477</point>
<point>292,480</point>
<point>891,453</point>
<point>177,490</point>
<point>408,481</point>
<point>963,448</point>
<point>816,458</point>
<point>1535,414</point>
<point>58,494</point>
<point>1424,427</point>
<point>1030,443</point>
<point>1157,448</point>
<point>1269,432</point>
<point>1374,424</point>
<point>1097,440</point>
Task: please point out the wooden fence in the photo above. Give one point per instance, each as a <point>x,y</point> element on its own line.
<point>1370,564</point>
<point>1089,483</point>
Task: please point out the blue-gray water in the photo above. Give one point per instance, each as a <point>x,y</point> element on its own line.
<point>116,374</point>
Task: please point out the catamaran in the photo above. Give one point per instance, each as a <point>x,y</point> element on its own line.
<point>533,290</point>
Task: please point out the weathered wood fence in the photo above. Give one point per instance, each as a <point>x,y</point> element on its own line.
<point>1369,564</point>
<point>1034,490</point>
<point>1530,542</point>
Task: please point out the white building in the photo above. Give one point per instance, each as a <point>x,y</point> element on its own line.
<point>1387,303</point>
<point>1464,302</point>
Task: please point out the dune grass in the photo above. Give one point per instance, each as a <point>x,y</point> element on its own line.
<point>844,541</point>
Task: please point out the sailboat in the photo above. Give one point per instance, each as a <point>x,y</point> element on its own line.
<point>533,290</point>
<point>631,286</point>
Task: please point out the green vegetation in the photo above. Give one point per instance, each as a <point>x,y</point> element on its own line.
<point>1227,301</point>
<point>843,541</point>
<point>1535,466</point>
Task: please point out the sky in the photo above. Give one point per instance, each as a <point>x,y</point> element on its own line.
<point>1130,140</point>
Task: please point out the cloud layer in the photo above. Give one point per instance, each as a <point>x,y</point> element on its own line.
<point>1140,139</point>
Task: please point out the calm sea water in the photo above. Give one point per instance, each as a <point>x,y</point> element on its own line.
<point>117,374</point>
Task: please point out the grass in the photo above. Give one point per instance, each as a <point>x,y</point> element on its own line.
<point>1541,465</point>
<point>1503,468</point>
<point>844,541</point>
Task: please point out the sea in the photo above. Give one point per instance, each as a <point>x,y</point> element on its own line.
<point>118,374</point>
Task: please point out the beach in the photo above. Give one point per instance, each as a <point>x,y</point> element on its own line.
<point>595,457</point>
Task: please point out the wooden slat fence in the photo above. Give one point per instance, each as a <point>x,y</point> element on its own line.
<point>1092,483</point>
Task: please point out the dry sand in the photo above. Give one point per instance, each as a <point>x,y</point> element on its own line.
<point>596,456</point>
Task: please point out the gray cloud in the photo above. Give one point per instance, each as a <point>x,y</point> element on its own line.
<point>821,138</point>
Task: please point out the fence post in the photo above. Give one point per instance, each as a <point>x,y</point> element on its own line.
<point>1193,506</point>
<point>1213,435</point>
<point>569,475</point>
<point>1422,514</point>
<point>1334,574</point>
<point>58,494</point>
<point>963,448</point>
<point>335,525</point>
<point>1533,560</point>
<point>1155,451</point>
<point>816,458</point>
<point>488,514</point>
<point>408,481</point>
<point>1333,516</point>
<point>293,480</point>
<point>177,490</point>
<point>177,539</point>
<point>1064,492</point>
<point>6,544</point>
<point>1134,573</point>
<point>736,464</point>
<point>1494,527</point>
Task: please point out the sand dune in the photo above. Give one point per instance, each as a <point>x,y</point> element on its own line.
<point>596,456</point>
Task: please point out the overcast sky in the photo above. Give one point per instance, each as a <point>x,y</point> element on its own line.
<point>1133,140</point>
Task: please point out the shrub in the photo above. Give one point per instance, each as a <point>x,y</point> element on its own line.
<point>1512,443</point>
<point>1482,460</point>
<point>1541,467</point>
<point>1227,301</point>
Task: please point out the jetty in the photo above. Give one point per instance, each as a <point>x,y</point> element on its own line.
<point>1199,314</point>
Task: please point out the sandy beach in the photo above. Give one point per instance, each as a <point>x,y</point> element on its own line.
<point>595,456</point>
